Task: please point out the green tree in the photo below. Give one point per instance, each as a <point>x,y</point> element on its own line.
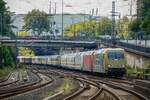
<point>81,29</point>
<point>5,30</point>
<point>104,26</point>
<point>143,18</point>
<point>26,52</point>
<point>144,9</point>
<point>6,57</point>
<point>145,25</point>
<point>123,26</point>
<point>5,20</point>
<point>37,21</point>
<point>90,29</point>
<point>135,27</point>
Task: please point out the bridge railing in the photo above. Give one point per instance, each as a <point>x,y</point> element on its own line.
<point>130,47</point>
<point>134,47</point>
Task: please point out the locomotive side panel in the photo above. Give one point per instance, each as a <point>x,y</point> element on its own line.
<point>79,61</point>
<point>88,61</point>
<point>98,62</point>
<point>63,60</point>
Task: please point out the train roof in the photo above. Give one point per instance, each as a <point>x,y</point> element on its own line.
<point>99,51</point>
<point>114,49</point>
<point>24,57</point>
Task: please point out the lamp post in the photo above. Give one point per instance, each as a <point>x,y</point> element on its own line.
<point>62,31</point>
<point>83,21</point>
<point>16,49</point>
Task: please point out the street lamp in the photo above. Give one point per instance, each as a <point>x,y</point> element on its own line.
<point>62,31</point>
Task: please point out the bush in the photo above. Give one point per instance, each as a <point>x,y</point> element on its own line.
<point>5,71</point>
<point>134,72</point>
<point>6,56</point>
<point>148,66</point>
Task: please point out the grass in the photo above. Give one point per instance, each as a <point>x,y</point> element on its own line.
<point>49,93</point>
<point>4,71</point>
<point>148,66</point>
<point>136,72</point>
<point>22,68</point>
<point>66,87</point>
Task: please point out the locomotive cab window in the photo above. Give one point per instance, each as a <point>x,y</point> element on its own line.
<point>114,55</point>
<point>111,55</point>
<point>119,55</point>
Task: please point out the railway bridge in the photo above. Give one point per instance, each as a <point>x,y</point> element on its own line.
<point>93,44</point>
<point>48,47</point>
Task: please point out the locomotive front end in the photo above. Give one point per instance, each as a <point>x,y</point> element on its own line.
<point>116,62</point>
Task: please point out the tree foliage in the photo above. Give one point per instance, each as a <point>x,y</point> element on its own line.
<point>123,27</point>
<point>144,9</point>
<point>5,20</point>
<point>6,57</point>
<point>22,33</point>
<point>135,25</point>
<point>37,21</point>
<point>145,25</point>
<point>142,23</point>
<point>26,52</point>
<point>145,17</point>
<point>104,26</point>
<point>90,28</point>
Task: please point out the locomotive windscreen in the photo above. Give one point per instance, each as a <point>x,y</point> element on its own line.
<point>115,55</point>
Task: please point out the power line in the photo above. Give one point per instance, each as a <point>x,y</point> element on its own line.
<point>55,7</point>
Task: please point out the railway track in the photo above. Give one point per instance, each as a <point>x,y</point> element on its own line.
<point>122,88</point>
<point>24,87</point>
<point>126,89</point>
<point>89,87</point>
<point>4,79</point>
<point>100,92</point>
<point>84,89</point>
<point>105,88</point>
<point>12,78</point>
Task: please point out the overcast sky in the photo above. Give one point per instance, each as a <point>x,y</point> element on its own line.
<point>72,6</point>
